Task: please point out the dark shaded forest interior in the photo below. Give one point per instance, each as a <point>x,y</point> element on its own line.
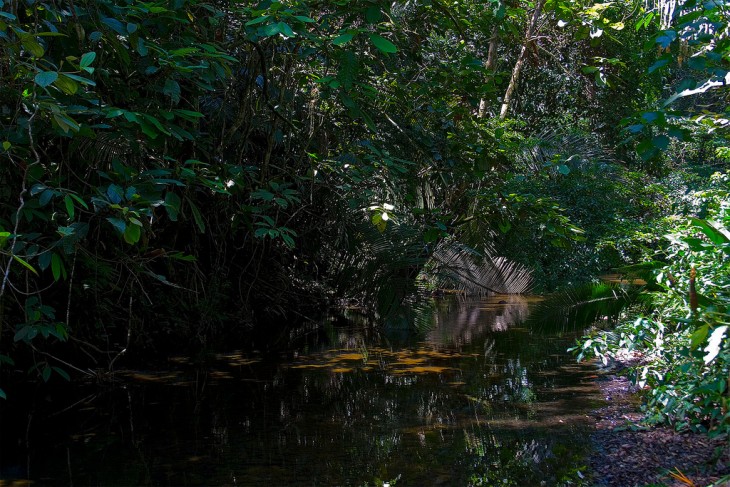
<point>191,177</point>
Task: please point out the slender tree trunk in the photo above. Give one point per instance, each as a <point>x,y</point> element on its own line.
<point>491,65</point>
<point>531,28</point>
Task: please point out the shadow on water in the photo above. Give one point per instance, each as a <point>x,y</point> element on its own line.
<point>475,400</point>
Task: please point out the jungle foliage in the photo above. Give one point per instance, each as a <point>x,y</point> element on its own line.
<point>176,172</point>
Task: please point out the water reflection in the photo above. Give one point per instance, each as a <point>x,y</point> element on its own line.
<point>476,400</point>
<point>459,322</point>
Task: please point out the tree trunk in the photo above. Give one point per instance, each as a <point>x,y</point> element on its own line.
<point>531,28</point>
<point>491,65</point>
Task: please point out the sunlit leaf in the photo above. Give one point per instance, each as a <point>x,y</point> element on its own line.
<point>714,344</point>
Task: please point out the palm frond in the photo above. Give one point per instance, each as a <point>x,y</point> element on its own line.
<point>581,306</point>
<point>378,267</point>
<point>577,150</point>
<point>456,266</point>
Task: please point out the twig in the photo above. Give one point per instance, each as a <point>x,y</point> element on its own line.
<point>21,198</point>
<point>86,373</point>
<point>70,287</point>
<point>129,336</point>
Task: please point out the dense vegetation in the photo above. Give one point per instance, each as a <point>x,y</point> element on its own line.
<point>176,172</point>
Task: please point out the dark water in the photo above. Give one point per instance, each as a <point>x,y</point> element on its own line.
<point>477,400</point>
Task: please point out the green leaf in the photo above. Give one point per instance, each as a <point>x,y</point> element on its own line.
<point>118,223</point>
<point>87,59</point>
<point>666,39</point>
<point>155,122</point>
<point>21,334</point>
<point>45,78</point>
<point>383,44</point>
<point>187,114</point>
<point>172,89</point>
<point>142,48</point>
<point>272,30</point>
<point>56,267</point>
<point>148,129</point>
<point>660,142</point>
<point>716,235</point>
<point>373,15</point>
<point>66,123</point>
<point>197,216</point>
<point>69,206</point>
<point>659,64</point>
<point>62,373</point>
<point>45,197</point>
<point>115,193</point>
<point>44,260</point>
<point>32,46</point>
<point>288,240</point>
<point>2,394</point>
<point>80,79</point>
<point>262,194</point>
<point>67,85</point>
<point>563,169</point>
<point>285,29</point>
<point>79,200</point>
<point>132,234</point>
<point>46,374</point>
<point>259,20</point>
<point>25,264</point>
<point>698,337</point>
<point>172,205</point>
<point>117,26</point>
<point>342,39</point>
<point>184,51</point>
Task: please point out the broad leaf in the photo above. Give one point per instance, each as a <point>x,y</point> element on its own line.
<point>342,39</point>
<point>45,78</point>
<point>383,44</point>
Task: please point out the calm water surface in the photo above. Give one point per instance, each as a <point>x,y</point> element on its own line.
<point>477,400</point>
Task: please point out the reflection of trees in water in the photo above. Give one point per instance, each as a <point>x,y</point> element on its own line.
<point>459,399</point>
<point>374,405</point>
<point>465,319</point>
<point>496,457</point>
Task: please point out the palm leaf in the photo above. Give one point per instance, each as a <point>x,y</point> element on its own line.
<point>456,266</point>
<point>380,268</point>
<point>581,306</point>
<point>577,150</point>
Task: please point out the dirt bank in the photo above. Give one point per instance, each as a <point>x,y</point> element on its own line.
<point>627,455</point>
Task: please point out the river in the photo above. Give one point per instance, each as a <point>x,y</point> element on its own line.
<point>474,399</point>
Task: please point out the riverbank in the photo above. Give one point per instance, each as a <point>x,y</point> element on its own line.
<point>627,454</point>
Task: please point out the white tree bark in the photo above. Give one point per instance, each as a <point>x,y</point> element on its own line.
<point>531,28</point>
